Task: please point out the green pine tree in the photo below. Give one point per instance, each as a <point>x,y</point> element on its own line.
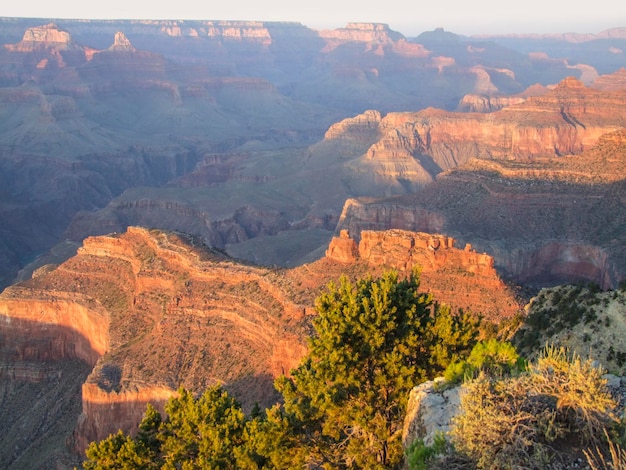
<point>374,342</point>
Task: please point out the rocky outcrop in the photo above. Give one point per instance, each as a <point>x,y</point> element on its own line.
<point>475,103</point>
<point>400,249</point>
<point>430,411</point>
<point>240,30</point>
<point>538,219</point>
<point>565,121</point>
<point>121,43</point>
<point>49,46</point>
<point>363,32</point>
<point>411,149</point>
<point>458,277</point>
<point>46,36</point>
<point>364,126</point>
<point>343,248</point>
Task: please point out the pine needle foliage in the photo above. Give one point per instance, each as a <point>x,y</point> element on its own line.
<point>343,407</point>
<point>375,340</point>
<point>199,433</point>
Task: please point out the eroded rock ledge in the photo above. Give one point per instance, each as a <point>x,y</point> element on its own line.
<point>150,311</point>
<point>458,277</point>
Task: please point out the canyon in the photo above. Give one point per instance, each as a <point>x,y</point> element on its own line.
<point>147,311</point>
<point>565,147</point>
<point>175,194</point>
<point>107,124</point>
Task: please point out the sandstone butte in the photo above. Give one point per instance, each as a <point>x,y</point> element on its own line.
<point>150,311</point>
<point>543,220</point>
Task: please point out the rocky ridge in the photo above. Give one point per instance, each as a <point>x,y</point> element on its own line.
<point>81,97</point>
<point>363,32</point>
<point>545,220</point>
<point>148,314</point>
<point>149,311</point>
<point>413,148</point>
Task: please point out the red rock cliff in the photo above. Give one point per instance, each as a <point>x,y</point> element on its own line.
<point>545,221</point>
<point>150,312</point>
<point>461,278</point>
<point>567,120</point>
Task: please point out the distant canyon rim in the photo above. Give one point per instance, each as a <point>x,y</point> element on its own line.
<point>174,195</point>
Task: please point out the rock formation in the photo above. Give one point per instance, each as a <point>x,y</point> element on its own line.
<point>240,30</point>
<point>46,36</point>
<point>430,411</point>
<point>488,103</point>
<point>544,221</point>
<point>149,314</point>
<point>411,149</point>
<point>458,277</point>
<point>363,32</point>
<point>121,43</point>
<point>476,103</point>
<point>564,121</point>
<point>149,311</point>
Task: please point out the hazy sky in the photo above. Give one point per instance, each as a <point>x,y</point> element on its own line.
<point>410,17</point>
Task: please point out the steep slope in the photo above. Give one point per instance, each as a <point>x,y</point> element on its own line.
<point>545,221</point>
<point>80,125</point>
<point>148,311</point>
<point>230,199</point>
<point>583,319</point>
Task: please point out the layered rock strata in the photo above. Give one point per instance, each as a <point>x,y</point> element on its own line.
<point>462,278</point>
<point>545,221</point>
<point>149,314</point>
<point>150,311</point>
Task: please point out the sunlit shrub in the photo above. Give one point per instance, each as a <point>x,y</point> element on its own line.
<point>512,422</point>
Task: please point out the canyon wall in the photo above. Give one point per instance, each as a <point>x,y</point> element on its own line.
<point>545,221</point>
<point>458,277</point>
<point>52,326</point>
<point>148,311</point>
<point>568,120</point>
<point>105,412</point>
<point>542,261</point>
